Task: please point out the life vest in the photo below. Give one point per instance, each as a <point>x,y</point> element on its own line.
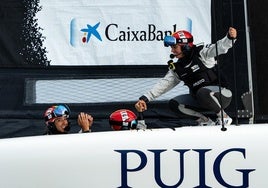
<point>194,73</point>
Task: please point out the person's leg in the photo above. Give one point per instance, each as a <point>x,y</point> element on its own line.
<point>186,104</point>
<point>209,97</point>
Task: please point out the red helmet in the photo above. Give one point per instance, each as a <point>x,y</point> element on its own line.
<point>56,111</point>
<point>123,119</point>
<point>184,37</point>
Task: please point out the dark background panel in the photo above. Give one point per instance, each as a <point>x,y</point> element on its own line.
<point>258,31</point>
<point>16,66</point>
<point>11,19</point>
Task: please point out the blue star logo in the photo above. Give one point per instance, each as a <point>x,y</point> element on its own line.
<point>92,31</point>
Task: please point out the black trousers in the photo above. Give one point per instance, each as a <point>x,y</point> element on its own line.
<point>206,98</point>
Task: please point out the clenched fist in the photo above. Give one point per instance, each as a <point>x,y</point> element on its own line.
<point>141,106</point>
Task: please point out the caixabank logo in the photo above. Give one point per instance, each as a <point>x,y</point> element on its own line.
<point>78,35</point>
<point>82,32</point>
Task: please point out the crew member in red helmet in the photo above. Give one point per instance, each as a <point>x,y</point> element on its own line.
<point>57,120</point>
<point>125,119</point>
<point>196,68</point>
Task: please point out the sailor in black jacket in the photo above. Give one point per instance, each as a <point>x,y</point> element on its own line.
<point>196,68</point>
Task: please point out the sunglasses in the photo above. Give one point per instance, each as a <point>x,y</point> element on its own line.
<point>62,110</point>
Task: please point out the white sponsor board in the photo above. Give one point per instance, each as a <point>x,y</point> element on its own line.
<point>118,32</point>
<point>186,157</point>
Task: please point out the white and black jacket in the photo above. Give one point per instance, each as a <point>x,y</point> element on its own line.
<point>204,55</point>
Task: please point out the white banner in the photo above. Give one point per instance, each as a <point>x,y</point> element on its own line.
<point>184,157</point>
<point>118,32</point>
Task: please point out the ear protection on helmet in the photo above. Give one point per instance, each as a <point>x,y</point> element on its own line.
<point>116,125</point>
<point>186,49</point>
